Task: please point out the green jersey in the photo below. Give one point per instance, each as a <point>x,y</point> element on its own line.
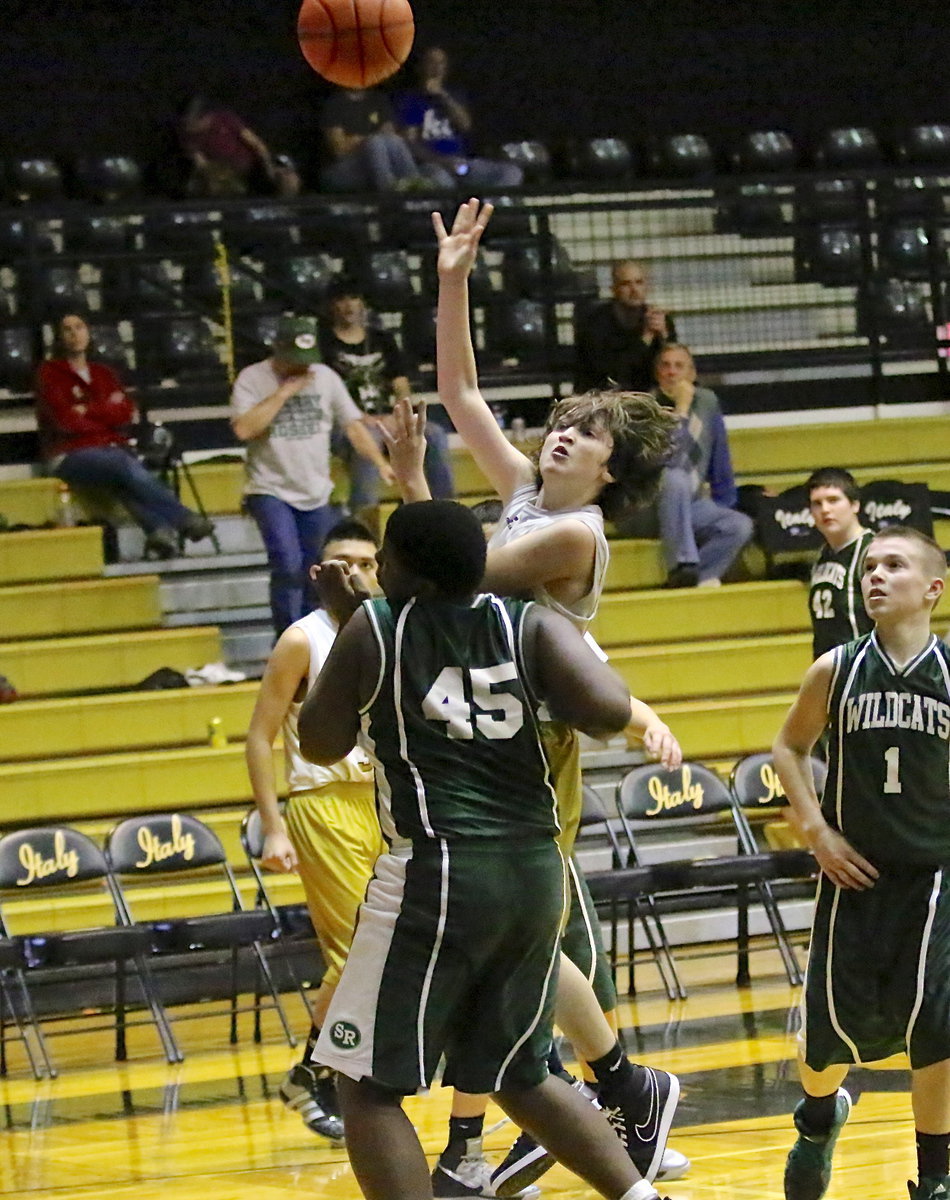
<point>888,785</point>
<point>452,728</point>
<point>834,597</point>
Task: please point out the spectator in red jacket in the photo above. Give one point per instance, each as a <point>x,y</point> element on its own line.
<point>81,409</point>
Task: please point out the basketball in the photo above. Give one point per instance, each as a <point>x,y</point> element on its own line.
<point>355,43</point>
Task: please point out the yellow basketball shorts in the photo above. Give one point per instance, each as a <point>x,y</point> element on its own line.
<point>336,835</point>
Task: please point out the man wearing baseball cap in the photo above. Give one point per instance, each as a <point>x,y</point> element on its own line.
<point>285,409</point>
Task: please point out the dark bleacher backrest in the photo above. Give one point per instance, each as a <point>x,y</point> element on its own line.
<point>526,273</point>
<point>898,309</point>
<point>162,842</point>
<point>98,232</point>
<point>60,288</point>
<point>834,253</point>
<point>149,285</point>
<point>205,281</point>
<point>107,345</point>
<point>18,353</point>
<point>925,145</point>
<point>108,178</point>
<point>533,157</point>
<point>599,158</point>
<point>912,196</point>
<point>853,146</point>
<point>891,502</point>
<point>905,251</point>
<point>685,155</point>
<point>32,179</point>
<point>518,329</point>
<point>21,235</point>
<point>49,856</point>
<point>387,279</point>
<point>418,335</point>
<point>305,278</point>
<point>765,150</point>
<point>652,792</point>
<point>831,200</point>
<point>261,229</point>
<point>511,219</point>
<point>192,229</point>
<point>755,782</point>
<point>784,522</point>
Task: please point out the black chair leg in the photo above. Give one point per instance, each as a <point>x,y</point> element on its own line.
<point>743,978</point>
<point>121,1051</point>
<point>275,997</point>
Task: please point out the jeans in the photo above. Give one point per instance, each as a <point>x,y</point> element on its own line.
<point>696,530</point>
<point>293,539</point>
<point>377,164</point>
<point>116,470</point>
<point>364,478</point>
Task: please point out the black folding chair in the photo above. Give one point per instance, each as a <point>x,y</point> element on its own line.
<point>176,859</point>
<point>72,873</point>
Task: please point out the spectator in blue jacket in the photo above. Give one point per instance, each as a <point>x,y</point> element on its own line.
<point>701,531</point>
<point>436,123</point>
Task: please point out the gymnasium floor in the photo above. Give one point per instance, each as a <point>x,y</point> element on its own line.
<point>213,1128</point>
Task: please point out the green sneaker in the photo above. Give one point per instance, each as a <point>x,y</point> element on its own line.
<point>930,1188</point>
<point>808,1166</point>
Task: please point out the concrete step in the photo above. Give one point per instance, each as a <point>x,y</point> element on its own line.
<point>235,534</point>
<point>211,591</point>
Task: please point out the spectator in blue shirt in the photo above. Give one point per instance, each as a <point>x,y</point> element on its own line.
<point>701,531</point>
<point>436,123</point>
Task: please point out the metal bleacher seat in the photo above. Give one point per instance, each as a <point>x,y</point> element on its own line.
<point>765,150</point>
<point>386,277</point>
<point>98,232</point>
<point>262,230</point>
<point>599,159</point>
<point>177,346</point>
<point>517,329</point>
<point>849,146</point>
<point>925,145</point>
<point>532,156</point>
<point>301,280</point>
<point>142,285</point>
<point>32,180</point>
<point>529,271</point>
<point>108,178</point>
<point>684,156</point>
<point>897,310</point>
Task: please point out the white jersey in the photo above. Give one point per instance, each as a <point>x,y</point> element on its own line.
<point>523,516</point>
<point>303,776</point>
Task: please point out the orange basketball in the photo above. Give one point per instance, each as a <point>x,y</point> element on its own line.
<point>355,43</point>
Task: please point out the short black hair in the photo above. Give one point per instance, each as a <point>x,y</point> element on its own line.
<point>349,529</point>
<point>345,285</point>
<point>441,541</point>
<point>488,511</point>
<point>834,477</point>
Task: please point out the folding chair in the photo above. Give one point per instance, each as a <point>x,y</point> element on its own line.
<point>595,816</point>
<point>784,525</point>
<point>293,920</point>
<point>175,862</point>
<point>72,873</point>
<point>893,502</point>
<point>692,802</point>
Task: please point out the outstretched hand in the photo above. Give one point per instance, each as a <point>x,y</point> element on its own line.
<point>404,435</point>
<point>457,250</point>
<point>341,591</point>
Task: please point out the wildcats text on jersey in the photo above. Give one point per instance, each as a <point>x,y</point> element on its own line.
<point>898,710</point>
<point>829,572</point>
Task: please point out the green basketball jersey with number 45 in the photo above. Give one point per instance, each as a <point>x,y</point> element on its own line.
<point>888,785</point>
<point>452,728</point>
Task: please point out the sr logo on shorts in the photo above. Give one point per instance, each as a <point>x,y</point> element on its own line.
<point>344,1035</point>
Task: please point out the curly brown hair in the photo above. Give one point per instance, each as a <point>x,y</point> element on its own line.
<point>642,433</point>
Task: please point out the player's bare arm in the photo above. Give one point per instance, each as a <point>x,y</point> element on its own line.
<point>328,722</point>
<point>284,679</point>
<point>505,467</point>
<point>657,737</point>
<point>581,690</point>
<point>558,557</point>
<point>838,859</point>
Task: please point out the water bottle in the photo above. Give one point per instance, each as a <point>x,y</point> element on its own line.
<point>65,509</point>
<point>216,735</point>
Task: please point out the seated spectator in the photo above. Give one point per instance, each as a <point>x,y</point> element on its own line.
<point>437,124</point>
<point>371,365</point>
<point>700,529</point>
<point>366,151</point>
<point>81,410</point>
<point>227,158</point>
<point>835,600</point>
<point>616,343</point>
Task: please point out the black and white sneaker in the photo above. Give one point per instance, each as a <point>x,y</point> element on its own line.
<point>642,1120</point>
<point>471,1176</point>
<point>314,1097</point>
<point>527,1161</point>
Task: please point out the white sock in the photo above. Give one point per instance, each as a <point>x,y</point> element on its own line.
<point>641,1191</point>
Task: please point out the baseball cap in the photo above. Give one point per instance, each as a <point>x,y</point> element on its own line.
<point>296,340</point>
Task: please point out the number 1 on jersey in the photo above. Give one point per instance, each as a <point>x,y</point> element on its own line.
<point>892,760</point>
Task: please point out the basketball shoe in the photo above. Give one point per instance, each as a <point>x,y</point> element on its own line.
<point>313,1095</point>
<point>641,1116</point>
<point>930,1188</point>
<point>468,1174</point>
<point>808,1166</point>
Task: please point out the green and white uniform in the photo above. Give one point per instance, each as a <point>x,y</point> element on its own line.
<point>834,596</point>
<point>456,944</point>
<point>878,978</point>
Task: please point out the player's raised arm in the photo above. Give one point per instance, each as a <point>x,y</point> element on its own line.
<point>791,752</point>
<point>505,467</point>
